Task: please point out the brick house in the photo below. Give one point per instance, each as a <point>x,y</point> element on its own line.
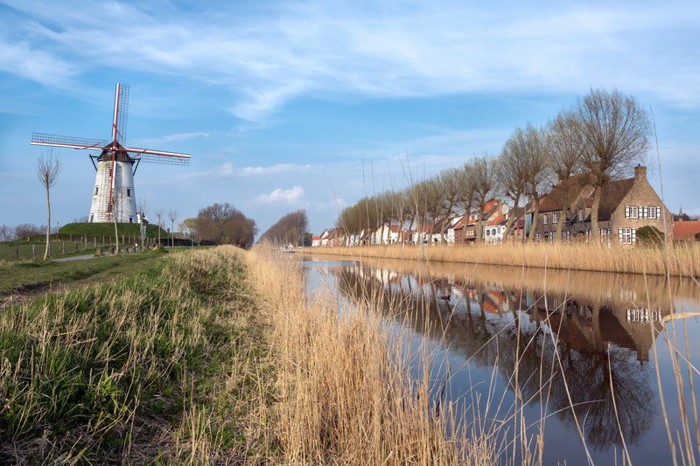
<point>625,206</point>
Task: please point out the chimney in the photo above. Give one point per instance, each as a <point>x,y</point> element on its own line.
<point>640,172</point>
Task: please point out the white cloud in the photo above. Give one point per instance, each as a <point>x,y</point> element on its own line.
<point>268,56</point>
<point>293,195</point>
<point>275,169</point>
<point>175,137</point>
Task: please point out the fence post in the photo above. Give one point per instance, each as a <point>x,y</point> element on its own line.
<point>34,251</point>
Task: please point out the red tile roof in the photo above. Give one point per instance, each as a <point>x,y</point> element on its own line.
<point>686,231</point>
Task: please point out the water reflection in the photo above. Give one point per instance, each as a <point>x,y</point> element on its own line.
<point>576,340</point>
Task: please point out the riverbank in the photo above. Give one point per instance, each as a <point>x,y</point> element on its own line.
<point>345,394</point>
<point>683,261</point>
<point>163,361</point>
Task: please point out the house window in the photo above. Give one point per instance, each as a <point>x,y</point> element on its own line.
<point>97,190</point>
<point>544,219</point>
<point>128,192</point>
<point>627,235</point>
<point>131,219</point>
<point>92,218</point>
<point>631,211</point>
<point>555,217</point>
<point>652,212</point>
<point>580,215</point>
<point>488,232</point>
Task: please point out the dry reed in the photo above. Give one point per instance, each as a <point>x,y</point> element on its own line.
<point>684,260</point>
<point>345,394</point>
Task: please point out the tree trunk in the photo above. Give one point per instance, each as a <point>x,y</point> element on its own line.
<point>560,224</point>
<point>47,250</point>
<point>511,218</point>
<point>479,223</point>
<point>533,227</point>
<point>594,212</point>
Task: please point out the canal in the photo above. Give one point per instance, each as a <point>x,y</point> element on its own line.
<point>597,364</point>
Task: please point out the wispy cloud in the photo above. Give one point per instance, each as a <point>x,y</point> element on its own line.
<point>290,196</point>
<point>275,169</point>
<point>271,55</point>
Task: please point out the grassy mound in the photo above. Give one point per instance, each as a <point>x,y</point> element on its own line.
<point>107,229</point>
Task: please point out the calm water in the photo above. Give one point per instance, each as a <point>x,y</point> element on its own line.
<point>586,340</point>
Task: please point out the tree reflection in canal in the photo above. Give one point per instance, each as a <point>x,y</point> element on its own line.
<point>576,357</point>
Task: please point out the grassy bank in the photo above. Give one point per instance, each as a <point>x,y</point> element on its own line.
<point>18,277</point>
<point>165,365</point>
<point>682,260</point>
<point>345,393</point>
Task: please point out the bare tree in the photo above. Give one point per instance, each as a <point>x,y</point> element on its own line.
<point>159,215</point>
<point>172,215</point>
<point>615,132</point>
<point>512,173</point>
<point>535,157</point>
<point>482,172</point>
<point>564,148</point>
<point>47,170</point>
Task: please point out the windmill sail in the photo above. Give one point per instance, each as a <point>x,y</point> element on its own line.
<point>114,193</point>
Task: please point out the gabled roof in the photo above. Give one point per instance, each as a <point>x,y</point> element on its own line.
<point>567,190</point>
<point>611,196</point>
<point>500,218</point>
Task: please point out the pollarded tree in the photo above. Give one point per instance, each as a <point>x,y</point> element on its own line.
<point>564,148</point>
<point>512,173</point>
<point>614,130</point>
<point>537,180</point>
<point>482,174</point>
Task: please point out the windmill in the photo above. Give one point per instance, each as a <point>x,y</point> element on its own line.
<point>113,196</point>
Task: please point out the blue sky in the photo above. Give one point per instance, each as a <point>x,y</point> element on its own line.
<point>287,105</point>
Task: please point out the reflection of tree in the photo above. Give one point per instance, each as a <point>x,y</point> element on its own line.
<point>591,372</point>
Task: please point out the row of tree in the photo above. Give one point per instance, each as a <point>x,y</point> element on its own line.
<point>290,229</point>
<point>598,139</point>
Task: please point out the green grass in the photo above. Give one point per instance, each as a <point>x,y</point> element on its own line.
<point>39,275</point>
<point>34,249</point>
<point>163,365</point>
<point>107,229</point>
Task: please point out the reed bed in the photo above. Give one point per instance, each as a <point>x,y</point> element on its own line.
<point>683,260</point>
<point>345,392</point>
<point>164,366</point>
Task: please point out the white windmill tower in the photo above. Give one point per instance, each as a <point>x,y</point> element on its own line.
<point>114,196</point>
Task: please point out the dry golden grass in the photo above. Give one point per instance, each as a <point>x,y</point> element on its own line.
<point>345,394</point>
<point>684,260</point>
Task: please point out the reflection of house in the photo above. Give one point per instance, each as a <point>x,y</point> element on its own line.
<point>588,328</point>
<point>625,206</point>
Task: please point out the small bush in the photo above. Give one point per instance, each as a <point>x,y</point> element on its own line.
<point>650,236</point>
<point>697,236</point>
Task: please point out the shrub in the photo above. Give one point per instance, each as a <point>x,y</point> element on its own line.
<point>650,236</point>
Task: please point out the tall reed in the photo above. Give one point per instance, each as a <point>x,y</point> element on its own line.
<point>346,396</point>
<point>684,260</point>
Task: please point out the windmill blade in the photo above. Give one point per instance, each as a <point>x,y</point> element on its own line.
<point>121,113</point>
<point>54,140</point>
<point>159,156</point>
